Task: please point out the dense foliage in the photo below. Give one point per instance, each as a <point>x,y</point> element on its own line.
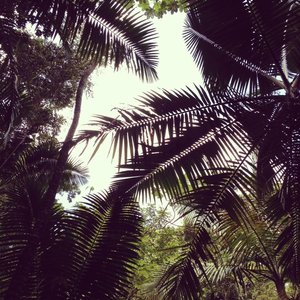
<point>160,246</point>
<point>47,252</point>
<point>216,151</point>
<point>226,155</point>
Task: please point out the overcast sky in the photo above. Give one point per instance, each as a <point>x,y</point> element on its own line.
<point>113,89</point>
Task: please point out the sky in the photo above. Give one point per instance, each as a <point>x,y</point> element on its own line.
<point>112,89</point>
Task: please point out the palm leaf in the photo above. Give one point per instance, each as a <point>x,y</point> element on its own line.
<point>21,238</point>
<point>251,40</point>
<point>181,280</point>
<point>110,31</point>
<point>96,248</point>
<point>177,138</point>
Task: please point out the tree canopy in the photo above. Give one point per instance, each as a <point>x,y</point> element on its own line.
<point>225,155</point>
<point>216,150</point>
<point>156,8</point>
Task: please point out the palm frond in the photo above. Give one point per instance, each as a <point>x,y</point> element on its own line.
<point>182,279</point>
<point>110,32</point>
<point>97,249</point>
<point>251,40</point>
<point>178,138</point>
<point>164,117</point>
<point>38,161</point>
<point>22,234</point>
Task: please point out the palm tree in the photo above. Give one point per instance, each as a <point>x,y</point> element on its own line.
<point>250,253</point>
<point>48,253</point>
<point>195,147</point>
<point>23,183</point>
<point>261,61</point>
<point>102,32</point>
<point>88,252</point>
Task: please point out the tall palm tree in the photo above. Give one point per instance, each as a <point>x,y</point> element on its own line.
<point>48,253</point>
<point>195,147</point>
<point>107,32</point>
<point>257,45</point>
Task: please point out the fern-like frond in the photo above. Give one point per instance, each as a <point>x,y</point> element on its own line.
<point>109,32</point>
<point>97,248</point>
<point>251,40</point>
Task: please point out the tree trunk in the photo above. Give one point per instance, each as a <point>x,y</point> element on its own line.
<point>68,143</point>
<point>281,291</point>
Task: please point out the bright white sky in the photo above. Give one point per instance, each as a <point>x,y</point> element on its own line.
<point>114,89</point>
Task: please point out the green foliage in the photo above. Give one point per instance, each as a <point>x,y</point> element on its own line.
<point>160,246</point>
<point>158,8</point>
<point>49,76</point>
<point>262,290</point>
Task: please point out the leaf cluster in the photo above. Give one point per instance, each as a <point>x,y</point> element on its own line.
<point>155,8</point>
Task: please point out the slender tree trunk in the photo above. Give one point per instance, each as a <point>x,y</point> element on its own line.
<point>294,194</point>
<point>281,291</point>
<point>68,143</point>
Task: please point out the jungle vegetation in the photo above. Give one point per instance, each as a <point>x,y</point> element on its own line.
<point>225,155</point>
